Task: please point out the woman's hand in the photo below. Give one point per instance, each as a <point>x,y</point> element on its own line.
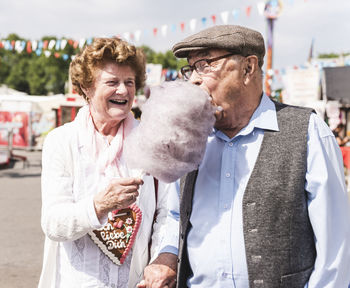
<point>120,193</point>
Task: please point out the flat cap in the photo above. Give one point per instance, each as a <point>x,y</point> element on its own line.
<point>235,38</point>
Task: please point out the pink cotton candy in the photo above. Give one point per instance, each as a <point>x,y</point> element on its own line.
<point>171,138</point>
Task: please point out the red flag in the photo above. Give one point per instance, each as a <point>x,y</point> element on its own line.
<point>248,10</point>
<point>182,26</point>
<point>155,30</point>
<point>70,42</point>
<point>29,47</point>
<point>213,17</point>
<point>46,42</point>
<point>76,44</point>
<point>57,55</point>
<point>13,43</point>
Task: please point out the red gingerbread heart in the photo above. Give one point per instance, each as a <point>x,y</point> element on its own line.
<point>116,238</point>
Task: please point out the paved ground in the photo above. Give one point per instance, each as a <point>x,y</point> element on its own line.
<point>21,238</point>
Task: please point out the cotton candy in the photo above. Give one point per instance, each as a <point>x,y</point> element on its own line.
<point>171,138</point>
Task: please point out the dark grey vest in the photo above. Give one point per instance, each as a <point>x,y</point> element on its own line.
<point>278,236</point>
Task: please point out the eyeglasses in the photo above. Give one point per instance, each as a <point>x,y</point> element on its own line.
<point>201,66</point>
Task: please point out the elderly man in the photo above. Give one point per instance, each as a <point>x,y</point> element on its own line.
<point>267,207</point>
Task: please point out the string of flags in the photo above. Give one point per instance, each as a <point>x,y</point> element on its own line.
<point>315,63</point>
<point>56,47</point>
<point>46,47</point>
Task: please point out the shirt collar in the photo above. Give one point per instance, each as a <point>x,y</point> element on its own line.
<point>264,117</point>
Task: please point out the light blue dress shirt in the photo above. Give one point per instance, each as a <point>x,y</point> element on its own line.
<point>216,246</point>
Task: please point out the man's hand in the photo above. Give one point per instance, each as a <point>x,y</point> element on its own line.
<point>160,273</point>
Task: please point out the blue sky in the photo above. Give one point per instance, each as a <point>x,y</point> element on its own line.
<point>325,21</point>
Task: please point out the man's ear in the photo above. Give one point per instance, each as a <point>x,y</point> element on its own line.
<point>251,64</point>
<point>250,67</point>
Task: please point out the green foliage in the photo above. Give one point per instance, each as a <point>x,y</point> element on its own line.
<point>168,60</point>
<point>17,78</point>
<point>13,37</point>
<point>331,55</point>
<point>41,75</point>
<point>37,76</point>
<point>32,73</point>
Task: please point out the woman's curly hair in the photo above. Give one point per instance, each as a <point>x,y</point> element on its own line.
<point>83,66</point>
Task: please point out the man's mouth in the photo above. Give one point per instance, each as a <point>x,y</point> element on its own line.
<point>118,101</point>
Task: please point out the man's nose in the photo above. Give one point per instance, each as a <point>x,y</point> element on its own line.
<point>195,78</point>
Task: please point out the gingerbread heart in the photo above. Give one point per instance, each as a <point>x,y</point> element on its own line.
<point>116,238</point>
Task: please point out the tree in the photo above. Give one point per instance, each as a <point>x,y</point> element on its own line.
<point>167,60</point>
<point>17,78</point>
<point>331,55</point>
<point>42,74</point>
<point>37,77</point>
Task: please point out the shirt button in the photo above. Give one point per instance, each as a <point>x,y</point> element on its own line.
<point>230,144</point>
<point>228,174</point>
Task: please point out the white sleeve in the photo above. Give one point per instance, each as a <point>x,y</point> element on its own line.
<point>328,207</point>
<point>62,217</point>
<point>170,240</point>
<point>160,227</point>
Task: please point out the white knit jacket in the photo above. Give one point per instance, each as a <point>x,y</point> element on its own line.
<point>67,214</point>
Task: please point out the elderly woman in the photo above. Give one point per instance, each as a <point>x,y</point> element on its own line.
<point>101,220</point>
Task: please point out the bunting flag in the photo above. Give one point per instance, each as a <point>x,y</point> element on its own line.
<point>224,16</point>
<point>182,26</point>
<point>29,47</point>
<point>81,43</point>
<point>34,45</point>
<point>52,44</point>
<point>56,46</point>
<point>164,30</point>
<point>126,36</point>
<point>248,10</point>
<point>261,8</point>
<point>193,23</point>
<point>137,35</point>
<point>235,14</point>
<point>63,44</point>
<point>89,41</point>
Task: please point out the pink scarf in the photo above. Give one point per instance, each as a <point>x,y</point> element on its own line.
<point>106,156</point>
